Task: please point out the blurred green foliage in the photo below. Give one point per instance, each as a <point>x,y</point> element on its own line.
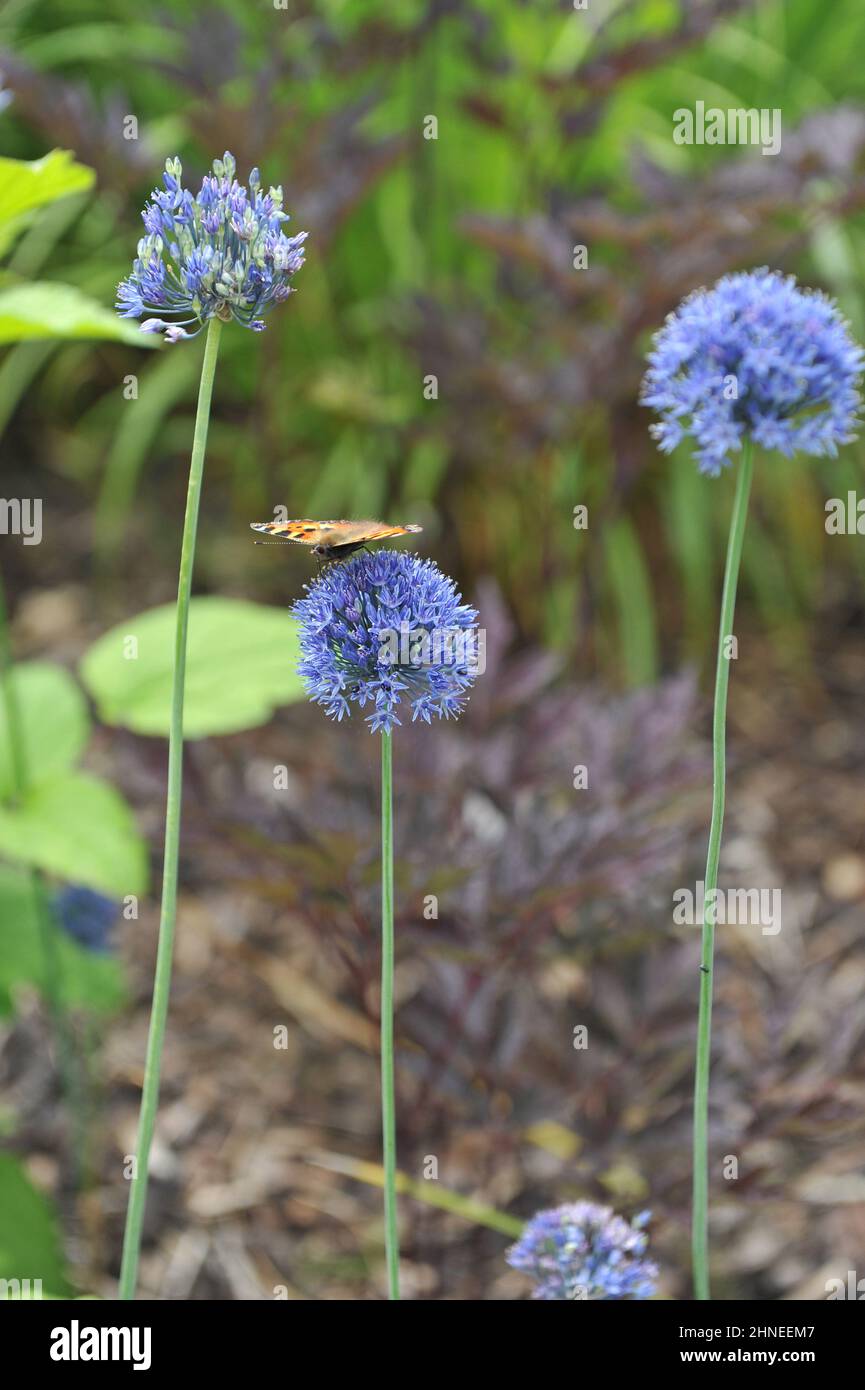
<point>83,979</point>
<point>449,257</point>
<point>65,821</point>
<point>58,820</point>
<point>241,663</point>
<point>31,1257</point>
<point>45,310</point>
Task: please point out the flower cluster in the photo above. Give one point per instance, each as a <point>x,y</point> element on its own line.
<point>226,254</point>
<point>87,916</point>
<point>755,356</point>
<point>581,1250</point>
<point>386,629</point>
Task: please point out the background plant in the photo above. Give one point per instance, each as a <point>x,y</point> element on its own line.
<point>455,257</point>
<point>440,256</point>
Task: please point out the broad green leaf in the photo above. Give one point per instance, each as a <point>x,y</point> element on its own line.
<point>79,828</point>
<point>24,187</point>
<point>30,1244</point>
<point>241,664</point>
<point>84,979</point>
<point>43,310</point>
<point>54,723</point>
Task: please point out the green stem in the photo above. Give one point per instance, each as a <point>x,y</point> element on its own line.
<point>388,1107</point>
<point>699,1228</point>
<point>165,950</point>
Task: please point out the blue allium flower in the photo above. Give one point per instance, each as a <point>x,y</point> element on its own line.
<point>754,356</point>
<point>220,253</point>
<point>387,629</point>
<point>581,1250</point>
<point>85,915</point>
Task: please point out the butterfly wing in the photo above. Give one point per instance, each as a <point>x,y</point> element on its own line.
<point>357,533</point>
<point>303,532</point>
<point>332,535</point>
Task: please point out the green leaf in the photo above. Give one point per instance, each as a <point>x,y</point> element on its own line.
<point>46,310</point>
<point>54,722</point>
<point>241,664</point>
<point>25,187</point>
<point>84,979</point>
<point>632,594</point>
<point>115,42</point>
<point>43,310</point>
<point>163,383</point>
<point>30,1245</point>
<point>79,828</point>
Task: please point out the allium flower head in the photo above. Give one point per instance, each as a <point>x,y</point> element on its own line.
<point>386,630</point>
<point>220,253</point>
<point>754,356</point>
<point>582,1250</point>
<point>86,915</point>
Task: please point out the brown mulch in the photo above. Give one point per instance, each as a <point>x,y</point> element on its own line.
<point>250,1196</point>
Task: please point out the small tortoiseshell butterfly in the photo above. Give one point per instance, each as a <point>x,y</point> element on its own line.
<point>332,540</point>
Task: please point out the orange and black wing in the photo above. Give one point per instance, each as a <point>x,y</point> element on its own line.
<point>333,536</point>
<point>303,532</point>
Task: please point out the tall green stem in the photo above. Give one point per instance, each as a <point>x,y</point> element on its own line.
<point>699,1228</point>
<point>165,949</point>
<point>388,1107</point>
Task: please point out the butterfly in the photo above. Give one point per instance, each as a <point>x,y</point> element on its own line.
<point>331,540</point>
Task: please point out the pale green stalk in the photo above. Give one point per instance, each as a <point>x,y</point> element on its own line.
<point>388,1107</point>
<point>165,949</point>
<point>700,1213</point>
